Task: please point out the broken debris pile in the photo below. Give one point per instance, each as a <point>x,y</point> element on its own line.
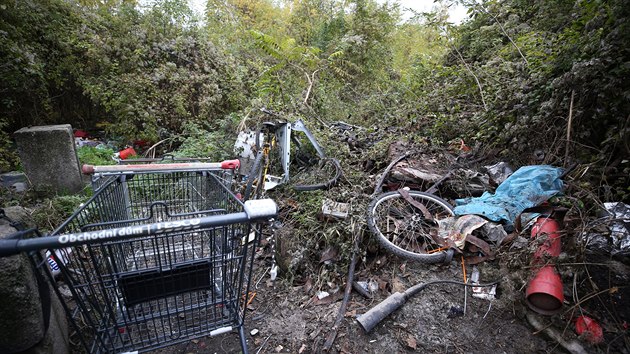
<point>609,234</point>
<point>528,187</point>
<point>482,225</point>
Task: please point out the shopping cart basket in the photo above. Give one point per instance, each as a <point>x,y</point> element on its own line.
<point>154,258</point>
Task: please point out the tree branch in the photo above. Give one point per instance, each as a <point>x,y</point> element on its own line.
<point>566,148</point>
<point>485,107</point>
<point>507,35</point>
<point>310,85</point>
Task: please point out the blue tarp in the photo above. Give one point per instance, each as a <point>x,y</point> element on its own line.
<point>529,186</point>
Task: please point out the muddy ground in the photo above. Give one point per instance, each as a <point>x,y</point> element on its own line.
<point>287,319</point>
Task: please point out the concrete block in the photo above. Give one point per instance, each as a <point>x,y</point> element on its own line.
<point>49,158</point>
<point>22,324</point>
<point>19,214</point>
<point>22,328</point>
<point>56,339</point>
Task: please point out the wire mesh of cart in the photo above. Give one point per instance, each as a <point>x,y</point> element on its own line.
<point>154,258</point>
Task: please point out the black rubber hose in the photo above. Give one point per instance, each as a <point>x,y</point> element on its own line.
<point>374,316</point>
<point>330,183</point>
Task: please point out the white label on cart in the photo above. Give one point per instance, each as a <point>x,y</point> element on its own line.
<point>100,235</point>
<point>178,225</point>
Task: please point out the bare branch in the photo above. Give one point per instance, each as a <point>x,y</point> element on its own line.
<point>485,107</point>
<point>566,148</point>
<point>507,35</point>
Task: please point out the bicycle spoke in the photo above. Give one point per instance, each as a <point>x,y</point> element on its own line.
<point>409,227</point>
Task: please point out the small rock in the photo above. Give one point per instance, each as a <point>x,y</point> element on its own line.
<point>254,332</point>
<point>279,349</point>
<point>322,294</point>
<point>19,187</point>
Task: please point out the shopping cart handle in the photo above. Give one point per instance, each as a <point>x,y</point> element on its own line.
<point>87,169</point>
<point>180,166</point>
<point>230,164</point>
<point>260,209</point>
<point>9,247</point>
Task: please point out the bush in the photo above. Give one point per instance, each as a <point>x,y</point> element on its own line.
<point>95,155</point>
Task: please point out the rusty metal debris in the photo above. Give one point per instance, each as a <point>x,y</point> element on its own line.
<point>254,147</point>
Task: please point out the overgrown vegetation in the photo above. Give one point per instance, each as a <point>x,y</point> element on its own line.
<point>91,155</point>
<point>528,82</point>
<point>506,79</point>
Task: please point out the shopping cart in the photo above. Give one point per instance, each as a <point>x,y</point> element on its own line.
<point>154,258</point>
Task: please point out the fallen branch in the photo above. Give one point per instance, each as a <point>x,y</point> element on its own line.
<point>507,35</point>
<point>311,80</point>
<point>572,346</point>
<point>566,148</point>
<point>346,296</point>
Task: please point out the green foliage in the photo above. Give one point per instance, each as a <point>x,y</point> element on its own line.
<point>502,79</point>
<point>35,56</point>
<point>8,157</point>
<point>145,72</point>
<point>204,141</point>
<point>91,155</point>
<point>50,213</point>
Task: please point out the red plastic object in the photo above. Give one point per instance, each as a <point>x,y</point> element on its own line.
<point>552,246</point>
<point>230,164</point>
<point>589,329</point>
<point>80,133</point>
<point>126,153</point>
<point>544,292</point>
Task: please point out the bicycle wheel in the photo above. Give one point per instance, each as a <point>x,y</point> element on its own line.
<point>410,229</point>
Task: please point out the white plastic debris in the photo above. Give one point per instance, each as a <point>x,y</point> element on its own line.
<point>245,143</point>
<point>499,172</point>
<point>620,226</point>
<point>335,209</point>
<point>610,234</point>
<point>61,256</point>
<point>274,272</point>
<point>322,294</point>
<point>486,292</point>
<point>369,286</point>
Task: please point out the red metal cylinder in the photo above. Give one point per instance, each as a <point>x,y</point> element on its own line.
<point>544,293</point>
<point>552,246</point>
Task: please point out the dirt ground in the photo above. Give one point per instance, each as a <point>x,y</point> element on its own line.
<point>288,316</point>
<point>287,319</point>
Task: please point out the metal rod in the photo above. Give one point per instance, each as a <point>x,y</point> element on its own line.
<point>252,213</point>
<point>228,164</point>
